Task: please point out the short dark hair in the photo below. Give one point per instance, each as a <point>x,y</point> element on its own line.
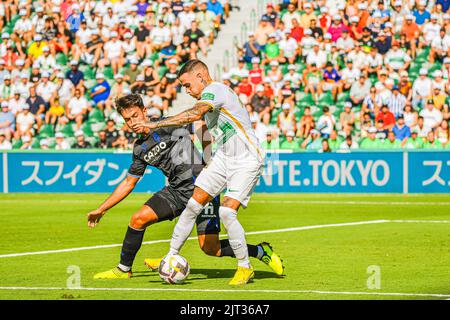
<point>129,101</point>
<point>191,65</point>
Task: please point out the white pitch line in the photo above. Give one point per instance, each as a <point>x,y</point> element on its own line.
<point>393,203</point>
<point>10,255</point>
<point>420,221</point>
<point>320,226</point>
<point>399,294</point>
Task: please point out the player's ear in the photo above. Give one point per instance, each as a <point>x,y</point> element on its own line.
<point>144,111</point>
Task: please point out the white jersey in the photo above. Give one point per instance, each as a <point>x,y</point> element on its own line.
<point>229,121</point>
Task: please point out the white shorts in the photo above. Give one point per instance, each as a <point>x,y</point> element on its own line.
<point>238,176</point>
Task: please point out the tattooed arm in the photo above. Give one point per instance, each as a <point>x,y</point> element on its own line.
<point>185,117</point>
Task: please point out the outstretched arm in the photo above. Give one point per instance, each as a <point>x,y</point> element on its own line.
<point>188,116</point>
<point>120,193</point>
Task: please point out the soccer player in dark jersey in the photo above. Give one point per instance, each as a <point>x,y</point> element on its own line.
<point>172,151</point>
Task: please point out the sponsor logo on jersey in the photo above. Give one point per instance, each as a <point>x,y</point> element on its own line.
<point>208,96</point>
<point>155,151</point>
<point>156,137</point>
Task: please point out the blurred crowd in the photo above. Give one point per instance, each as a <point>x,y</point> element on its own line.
<point>322,75</point>
<point>329,75</point>
<point>62,64</point>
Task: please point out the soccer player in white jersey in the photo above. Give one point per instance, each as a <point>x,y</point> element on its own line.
<point>235,167</point>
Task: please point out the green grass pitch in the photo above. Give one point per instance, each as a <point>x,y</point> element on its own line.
<point>405,238</point>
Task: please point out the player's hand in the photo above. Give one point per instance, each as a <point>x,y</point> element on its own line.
<point>94,217</point>
<point>143,126</point>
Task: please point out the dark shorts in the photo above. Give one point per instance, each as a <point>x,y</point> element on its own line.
<point>169,204</point>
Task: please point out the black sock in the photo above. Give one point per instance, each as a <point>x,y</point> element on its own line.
<point>226,251</point>
<point>131,245</point>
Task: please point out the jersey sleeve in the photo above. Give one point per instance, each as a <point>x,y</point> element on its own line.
<point>137,168</point>
<point>213,95</point>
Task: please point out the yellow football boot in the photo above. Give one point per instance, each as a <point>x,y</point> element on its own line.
<point>114,273</point>
<point>242,276</point>
<point>152,264</point>
<point>272,259</point>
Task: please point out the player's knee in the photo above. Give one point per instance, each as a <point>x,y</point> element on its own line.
<point>211,249</point>
<point>193,208</point>
<point>227,215</point>
<point>141,220</point>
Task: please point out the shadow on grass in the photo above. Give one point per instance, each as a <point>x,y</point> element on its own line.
<point>205,274</point>
<point>148,273</point>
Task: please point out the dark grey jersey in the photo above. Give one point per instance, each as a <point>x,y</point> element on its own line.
<point>172,151</point>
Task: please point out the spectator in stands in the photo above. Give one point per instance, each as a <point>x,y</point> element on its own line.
<point>431,142</point>
<point>167,92</point>
<point>197,38</point>
<point>313,141</point>
<point>111,132</point>
<point>349,75</point>
<point>46,89</point>
<point>325,146</point>
<point>76,76</point>
<point>396,102</point>
<point>413,142</point>
<point>421,15</point>
<point>121,142</point>
<point>391,142</point>
<point>81,143</point>
<point>439,46</point>
<point>61,143</point>
<point>371,142</point>
<point>55,111</point>
<point>386,117</point>
<point>114,54</point>
<point>313,81</point>
<point>349,144</point>
<point>286,119</point>
<point>272,51</point>
<point>360,90</point>
<point>261,103</point>
<point>326,123</point>
<point>26,143</point>
<point>100,91</point>
<point>7,121</point>
<point>64,89</point>
<point>37,106</point>
<point>291,14</point>
<point>334,141</point>
<point>5,144</point>
<point>290,143</point>
<point>6,89</point>
<point>410,115</point>
<point>208,22</point>
<point>289,47</point>
<point>25,121</point>
<point>401,131</point>
<point>77,108</point>
<point>306,124</point>
<point>439,98</point>
<point>102,142</point>
<point>44,144</point>
<point>432,116</point>
<point>442,133</point>
<point>252,49</point>
<point>270,143</point>
<point>347,118</point>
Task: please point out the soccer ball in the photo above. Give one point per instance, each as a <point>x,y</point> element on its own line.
<point>173,269</point>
